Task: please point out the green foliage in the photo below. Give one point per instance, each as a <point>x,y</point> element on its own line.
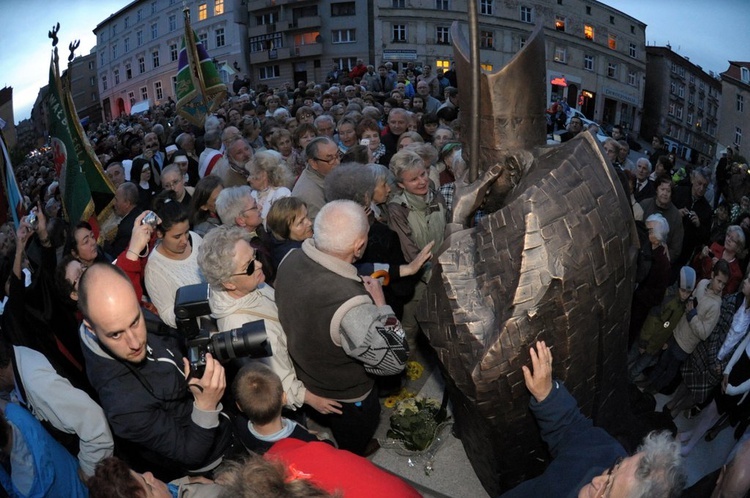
<point>415,421</point>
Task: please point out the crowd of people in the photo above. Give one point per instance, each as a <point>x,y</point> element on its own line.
<point>315,210</point>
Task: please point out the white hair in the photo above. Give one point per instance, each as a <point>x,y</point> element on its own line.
<point>661,227</point>
<point>338,225</point>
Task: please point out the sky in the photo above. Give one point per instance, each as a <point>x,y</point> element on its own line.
<point>710,33</point>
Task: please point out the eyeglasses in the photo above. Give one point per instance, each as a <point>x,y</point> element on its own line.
<point>171,185</point>
<point>610,481</point>
<point>254,208</point>
<point>250,268</point>
<point>327,161</point>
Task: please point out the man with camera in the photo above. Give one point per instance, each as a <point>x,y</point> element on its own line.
<point>168,422</point>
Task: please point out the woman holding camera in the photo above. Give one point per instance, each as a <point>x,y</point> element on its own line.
<point>732,252</point>
<point>239,295</point>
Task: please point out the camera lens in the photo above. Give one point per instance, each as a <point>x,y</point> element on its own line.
<point>248,341</point>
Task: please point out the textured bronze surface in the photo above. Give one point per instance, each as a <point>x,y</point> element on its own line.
<point>555,261</point>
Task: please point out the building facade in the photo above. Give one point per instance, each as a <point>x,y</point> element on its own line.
<point>735,107</point>
<point>6,114</point>
<point>293,41</point>
<point>137,48</point>
<point>84,88</point>
<point>682,104</point>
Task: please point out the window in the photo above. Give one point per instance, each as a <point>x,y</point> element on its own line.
<point>443,64</point>
<point>343,36</point>
<point>269,42</point>
<point>154,31</point>
<point>153,8</point>
<point>738,136</point>
<point>690,118</point>
<point>155,58</point>
<point>101,58</point>
<point>681,91</point>
<point>612,70</point>
<point>203,39</point>
<point>114,29</point>
<point>126,43</point>
<point>141,65</point>
<point>673,88</point>
<point>398,4</point>
<point>220,42</point>
<point>612,42</point>
<point>92,81</point>
<point>140,15</point>
<point>632,81</point>
<point>114,51</point>
<point>343,9</point>
<point>345,62</point>
<point>745,75</point>
<point>268,72</point>
<point>116,74</point>
<point>487,39</point>
<point>485,7</point>
<point>94,98</point>
<point>441,36</point>
<point>127,22</point>
<point>521,42</point>
<point>218,7</point>
<point>631,51</point>
<point>560,23</point>
<point>611,19</point>
<point>561,55</point>
<point>128,71</point>
<point>588,62</point>
<point>91,68</point>
<point>443,4</point>
<point>588,32</point>
<point>172,23</point>
<point>399,33</point>
<point>131,97</point>
<point>144,93</point>
<point>158,91</point>
<point>139,37</point>
<point>588,10</point>
<point>632,29</point>
<point>740,103</point>
<point>202,12</point>
<point>679,112</point>
<point>104,82</point>
<point>267,18</point>
<point>173,52</point>
<point>671,109</point>
<point>526,15</point>
<point>486,67</point>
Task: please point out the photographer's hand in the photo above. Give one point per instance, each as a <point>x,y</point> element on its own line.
<point>209,389</point>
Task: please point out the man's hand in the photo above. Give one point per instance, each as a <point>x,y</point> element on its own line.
<point>23,234</point>
<point>424,256</point>
<point>375,290</point>
<point>539,383</point>
<point>209,389</point>
<point>325,406</point>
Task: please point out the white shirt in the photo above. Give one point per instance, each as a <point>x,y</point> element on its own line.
<point>737,331</point>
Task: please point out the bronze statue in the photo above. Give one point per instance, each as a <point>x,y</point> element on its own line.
<point>554,260</point>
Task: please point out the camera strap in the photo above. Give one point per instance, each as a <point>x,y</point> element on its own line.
<point>263,316</point>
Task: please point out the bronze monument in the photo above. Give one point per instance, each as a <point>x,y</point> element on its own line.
<point>554,260</point>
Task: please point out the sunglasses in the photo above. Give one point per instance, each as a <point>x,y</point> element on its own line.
<point>250,269</point>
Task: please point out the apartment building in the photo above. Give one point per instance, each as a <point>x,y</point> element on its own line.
<point>735,107</point>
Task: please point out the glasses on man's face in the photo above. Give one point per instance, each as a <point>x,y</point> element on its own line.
<point>327,161</point>
<point>171,185</point>
<point>305,116</point>
<point>254,208</point>
<point>610,480</point>
<point>250,269</point>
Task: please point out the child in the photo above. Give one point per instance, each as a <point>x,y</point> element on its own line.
<point>260,397</point>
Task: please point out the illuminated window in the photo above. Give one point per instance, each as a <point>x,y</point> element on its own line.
<point>612,42</point>
<point>202,12</point>
<point>443,64</point>
<point>559,23</point>
<point>218,7</point>
<point>487,67</point>
<point>588,32</point>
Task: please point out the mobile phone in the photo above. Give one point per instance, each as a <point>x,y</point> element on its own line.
<point>365,142</point>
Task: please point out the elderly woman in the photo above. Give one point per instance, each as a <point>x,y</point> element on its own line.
<point>288,225</point>
<point>239,295</point>
<point>429,156</point>
<point>651,291</point>
<point>347,134</point>
<point>280,140</point>
<point>732,252</point>
<point>173,262</point>
<point>203,215</point>
<point>408,138</point>
<point>383,252</point>
<point>269,177</point>
<point>368,129</point>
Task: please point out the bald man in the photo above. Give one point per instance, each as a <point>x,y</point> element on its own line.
<point>171,422</point>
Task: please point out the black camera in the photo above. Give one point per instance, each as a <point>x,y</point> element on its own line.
<point>248,341</point>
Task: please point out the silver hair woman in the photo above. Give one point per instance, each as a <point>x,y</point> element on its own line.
<point>269,178</point>
<point>660,470</point>
<point>231,267</point>
<point>229,204</point>
<point>658,226</point>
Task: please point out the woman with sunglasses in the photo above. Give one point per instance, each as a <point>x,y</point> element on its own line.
<point>239,295</point>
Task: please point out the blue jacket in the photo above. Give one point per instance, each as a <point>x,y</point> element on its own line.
<point>579,450</point>
<point>55,470</point>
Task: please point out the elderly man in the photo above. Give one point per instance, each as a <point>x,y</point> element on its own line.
<point>696,213</point>
<point>231,169</point>
<point>237,207</point>
<point>622,156</point>
<point>347,333</point>
<point>662,204</point>
<point>643,188</point>
<point>155,157</point>
<point>322,156</point>
<point>116,174</point>
<point>431,104</point>
<point>211,154</point>
<point>398,123</point>
<point>588,462</point>
<point>126,206</point>
<point>171,422</point>
<point>325,126</point>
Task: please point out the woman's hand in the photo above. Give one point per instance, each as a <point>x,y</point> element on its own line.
<point>417,263</point>
<point>139,237</point>
<point>539,382</point>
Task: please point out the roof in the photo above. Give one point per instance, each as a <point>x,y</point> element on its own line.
<point>734,70</point>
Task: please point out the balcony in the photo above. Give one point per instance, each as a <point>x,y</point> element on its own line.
<point>267,29</point>
<point>253,5</point>
<point>312,50</point>
<point>270,55</point>
<point>306,23</point>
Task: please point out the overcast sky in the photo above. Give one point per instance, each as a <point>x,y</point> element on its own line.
<point>708,32</point>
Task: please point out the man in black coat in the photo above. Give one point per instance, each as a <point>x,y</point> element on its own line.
<point>126,205</point>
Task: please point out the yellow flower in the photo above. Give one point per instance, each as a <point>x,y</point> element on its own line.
<point>390,401</point>
<point>414,370</point>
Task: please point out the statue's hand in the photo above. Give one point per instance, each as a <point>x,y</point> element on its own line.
<point>468,197</point>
